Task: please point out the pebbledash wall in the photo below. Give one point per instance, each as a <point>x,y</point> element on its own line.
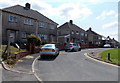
<point>19,21</point>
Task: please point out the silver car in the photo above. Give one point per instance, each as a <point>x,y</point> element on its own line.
<point>49,49</point>
<point>107,46</point>
<point>72,47</point>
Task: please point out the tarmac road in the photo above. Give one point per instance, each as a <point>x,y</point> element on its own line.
<point>74,66</point>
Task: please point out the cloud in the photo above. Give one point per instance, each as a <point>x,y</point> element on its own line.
<point>110,25</point>
<point>106,14</point>
<point>71,10</point>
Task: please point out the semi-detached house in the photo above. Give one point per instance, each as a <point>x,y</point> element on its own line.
<point>69,32</point>
<point>19,21</point>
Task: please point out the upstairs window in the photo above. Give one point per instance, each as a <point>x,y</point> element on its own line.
<point>52,27</point>
<point>42,25</point>
<point>12,19</point>
<point>99,38</point>
<point>86,35</point>
<point>82,34</point>
<point>72,32</point>
<point>28,21</point>
<point>77,32</point>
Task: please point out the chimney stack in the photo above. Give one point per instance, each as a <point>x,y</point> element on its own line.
<point>71,21</point>
<point>27,6</point>
<point>90,29</point>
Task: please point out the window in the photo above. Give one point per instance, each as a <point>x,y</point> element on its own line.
<point>42,36</point>
<point>99,38</point>
<point>82,34</point>
<point>23,35</point>
<point>42,25</point>
<point>72,32</point>
<point>12,19</point>
<point>52,27</point>
<point>85,35</point>
<point>28,21</point>
<point>77,32</point>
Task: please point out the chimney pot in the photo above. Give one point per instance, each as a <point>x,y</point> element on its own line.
<point>71,21</point>
<point>27,6</point>
<point>90,29</point>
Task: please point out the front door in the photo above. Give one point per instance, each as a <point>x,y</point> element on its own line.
<point>12,37</point>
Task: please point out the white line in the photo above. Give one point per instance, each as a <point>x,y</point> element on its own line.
<point>33,64</point>
<point>5,67</point>
<point>86,54</point>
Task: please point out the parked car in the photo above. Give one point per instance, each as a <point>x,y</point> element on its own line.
<point>72,47</point>
<point>49,49</point>
<point>107,46</point>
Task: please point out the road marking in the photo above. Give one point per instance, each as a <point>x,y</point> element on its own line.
<point>33,64</point>
<point>20,60</point>
<point>86,54</point>
<point>29,57</point>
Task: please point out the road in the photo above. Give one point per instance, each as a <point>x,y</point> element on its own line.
<point>74,66</point>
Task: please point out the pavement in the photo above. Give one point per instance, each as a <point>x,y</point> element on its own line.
<point>23,66</point>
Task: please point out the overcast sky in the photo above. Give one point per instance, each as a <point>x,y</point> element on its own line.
<point>101,15</point>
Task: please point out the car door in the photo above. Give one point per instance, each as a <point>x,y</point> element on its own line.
<point>75,47</point>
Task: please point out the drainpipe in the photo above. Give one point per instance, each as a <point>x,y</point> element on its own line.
<point>36,26</point>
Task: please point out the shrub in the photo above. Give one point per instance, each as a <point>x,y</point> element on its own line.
<point>33,39</point>
<point>10,61</point>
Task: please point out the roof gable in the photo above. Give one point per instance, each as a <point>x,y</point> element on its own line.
<point>92,32</point>
<point>70,26</point>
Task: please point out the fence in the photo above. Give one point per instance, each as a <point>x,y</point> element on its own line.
<point>61,46</point>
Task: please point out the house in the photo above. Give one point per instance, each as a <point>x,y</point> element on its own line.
<point>93,37</point>
<point>19,21</point>
<point>69,32</point>
<point>112,42</point>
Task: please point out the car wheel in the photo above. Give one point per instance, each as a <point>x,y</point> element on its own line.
<point>58,54</point>
<point>41,56</point>
<point>79,49</point>
<point>66,50</point>
<point>73,49</point>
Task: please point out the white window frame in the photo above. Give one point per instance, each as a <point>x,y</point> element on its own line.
<point>82,34</point>
<point>86,34</point>
<point>23,35</point>
<point>12,18</point>
<point>52,27</point>
<point>42,25</point>
<point>28,21</point>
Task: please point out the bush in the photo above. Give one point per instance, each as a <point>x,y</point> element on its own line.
<point>10,61</point>
<point>33,39</point>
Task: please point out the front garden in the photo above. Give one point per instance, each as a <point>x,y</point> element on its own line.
<point>33,46</point>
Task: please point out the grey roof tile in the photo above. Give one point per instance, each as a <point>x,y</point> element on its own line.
<point>17,9</point>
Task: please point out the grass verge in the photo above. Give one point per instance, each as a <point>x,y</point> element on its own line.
<point>114,56</point>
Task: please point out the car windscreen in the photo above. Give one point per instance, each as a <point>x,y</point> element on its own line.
<point>48,46</point>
